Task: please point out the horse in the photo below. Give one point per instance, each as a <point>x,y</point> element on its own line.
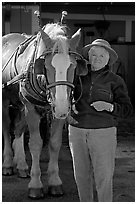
<point>37,76</point>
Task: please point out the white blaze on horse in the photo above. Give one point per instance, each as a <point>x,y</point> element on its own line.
<point>37,76</point>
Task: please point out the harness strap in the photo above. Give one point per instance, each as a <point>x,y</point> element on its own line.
<point>60,83</point>
<point>77,54</point>
<point>76,101</point>
<point>33,99</point>
<point>32,76</point>
<point>19,50</point>
<point>15,79</point>
<point>10,59</point>
<point>21,47</point>
<point>25,43</point>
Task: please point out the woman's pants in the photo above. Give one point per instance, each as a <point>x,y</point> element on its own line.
<point>93,154</point>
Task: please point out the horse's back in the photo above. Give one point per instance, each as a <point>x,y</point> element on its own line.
<point>12,39</point>
<point>9,44</point>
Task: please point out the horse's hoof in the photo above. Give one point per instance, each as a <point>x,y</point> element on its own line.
<point>23,173</point>
<point>36,193</point>
<point>7,171</point>
<point>55,191</point>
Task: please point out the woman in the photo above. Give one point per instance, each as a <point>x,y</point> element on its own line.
<point>93,138</point>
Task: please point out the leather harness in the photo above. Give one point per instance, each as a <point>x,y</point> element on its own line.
<point>31,90</point>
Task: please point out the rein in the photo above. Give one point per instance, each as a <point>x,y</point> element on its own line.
<point>70,52</point>
<point>76,101</point>
<point>15,79</point>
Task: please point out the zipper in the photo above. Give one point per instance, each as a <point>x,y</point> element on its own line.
<point>90,93</point>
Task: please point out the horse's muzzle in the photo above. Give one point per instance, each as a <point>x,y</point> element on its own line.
<point>61,112</point>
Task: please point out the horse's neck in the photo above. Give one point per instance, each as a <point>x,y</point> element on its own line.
<point>41,48</point>
<point>26,57</point>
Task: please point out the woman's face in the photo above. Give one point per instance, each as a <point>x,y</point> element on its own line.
<point>98,57</point>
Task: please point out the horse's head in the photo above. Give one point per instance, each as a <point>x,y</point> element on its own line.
<point>60,62</point>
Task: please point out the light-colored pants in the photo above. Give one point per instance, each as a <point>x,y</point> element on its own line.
<point>93,154</point>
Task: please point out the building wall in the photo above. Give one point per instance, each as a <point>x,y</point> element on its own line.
<point>20,19</point>
<point>126,53</point>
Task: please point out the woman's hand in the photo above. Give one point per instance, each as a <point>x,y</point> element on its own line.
<point>102,105</point>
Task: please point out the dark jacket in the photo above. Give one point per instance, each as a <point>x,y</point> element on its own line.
<point>102,85</point>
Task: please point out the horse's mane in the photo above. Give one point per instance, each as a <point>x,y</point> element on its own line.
<point>55,29</point>
<point>57,33</point>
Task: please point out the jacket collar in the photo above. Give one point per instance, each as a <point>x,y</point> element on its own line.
<point>106,68</point>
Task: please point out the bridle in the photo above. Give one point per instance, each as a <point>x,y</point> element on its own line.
<point>57,83</point>
<point>69,84</point>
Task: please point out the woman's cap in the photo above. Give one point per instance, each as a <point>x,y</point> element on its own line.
<point>101,43</point>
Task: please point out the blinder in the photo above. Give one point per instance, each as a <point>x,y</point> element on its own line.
<point>81,69</point>
<point>39,69</point>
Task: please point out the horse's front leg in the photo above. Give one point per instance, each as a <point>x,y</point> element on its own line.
<point>35,144</point>
<point>54,181</point>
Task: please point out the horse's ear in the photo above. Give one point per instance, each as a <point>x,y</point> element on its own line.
<point>45,37</point>
<point>74,41</point>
